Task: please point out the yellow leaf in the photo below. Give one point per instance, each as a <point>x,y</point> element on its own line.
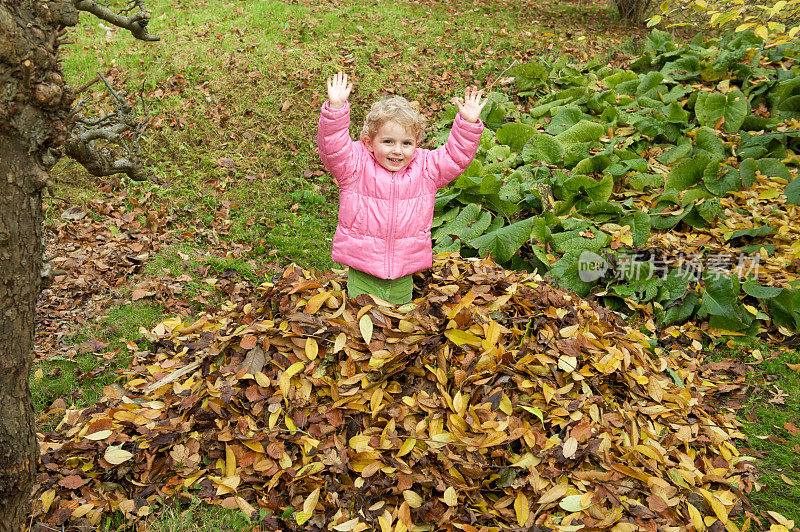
<point>412,498</point>
<point>262,379</point>
<point>286,377</point>
<point>716,505</point>
<point>570,446</point>
<point>365,326</point>
<point>450,496</point>
<point>347,526</point>
<point>39,374</point>
<point>99,435</point>
<point>47,499</point>
<point>311,502</point>
<point>697,519</point>
<point>81,510</point>
<point>315,302</point>
<point>459,337</point>
<point>406,447</point>
<point>301,517</point>
<point>505,405</point>
<point>230,461</point>
<point>115,455</point>
<point>573,503</point>
<point>254,446</point>
<point>521,508</point>
<point>312,349</point>
<point>788,523</point>
<point>341,339</point>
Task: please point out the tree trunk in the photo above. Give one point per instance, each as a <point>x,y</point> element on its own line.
<point>20,264</point>
<point>34,105</point>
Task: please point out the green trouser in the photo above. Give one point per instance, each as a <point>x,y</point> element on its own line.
<point>396,291</point>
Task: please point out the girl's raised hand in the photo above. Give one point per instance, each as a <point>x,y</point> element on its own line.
<point>471,106</point>
<point>338,90</point>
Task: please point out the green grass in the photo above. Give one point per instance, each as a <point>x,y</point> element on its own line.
<point>764,418</point>
<point>78,378</point>
<point>767,435</point>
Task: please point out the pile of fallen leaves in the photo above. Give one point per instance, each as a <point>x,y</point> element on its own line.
<point>493,400</point>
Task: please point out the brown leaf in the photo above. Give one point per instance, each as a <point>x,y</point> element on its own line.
<point>73,482</point>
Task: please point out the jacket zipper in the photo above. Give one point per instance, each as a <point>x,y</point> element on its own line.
<point>390,244</point>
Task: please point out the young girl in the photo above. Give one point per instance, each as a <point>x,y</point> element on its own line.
<point>387,186</point>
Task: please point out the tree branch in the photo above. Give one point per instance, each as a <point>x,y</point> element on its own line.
<point>111,129</point>
<point>135,23</point>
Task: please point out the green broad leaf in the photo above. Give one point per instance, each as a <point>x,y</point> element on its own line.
<point>681,312</point>
<point>504,242</point>
<point>677,114</point>
<point>792,191</point>
<point>774,168</point>
<point>444,197</point>
<point>529,76</point>
<point>574,242</point>
<point>565,118</point>
<point>751,287</point>
<point>445,217</point>
<point>469,223</point>
<point>475,169</point>
<point>676,283</point>
<point>649,81</point>
<point>785,309</point>
<point>711,106</point>
<point>687,172</point>
<point>720,297</point>
<point>673,155</point>
<point>769,249</point>
<point>604,211</point>
<point>541,229</point>
<point>493,115</point>
<point>542,147</point>
<point>706,139</point>
<point>675,377</point>
<point>747,172</point>
<point>583,131</point>
<point>641,181</point>
<point>447,245</point>
<point>597,190</point>
<point>592,165</point>
<point>639,222</point>
<point>752,232</point>
<point>566,271</point>
<point>500,205</point>
<point>721,182</point>
<point>709,210</point>
<point>615,79</point>
<point>515,135</point>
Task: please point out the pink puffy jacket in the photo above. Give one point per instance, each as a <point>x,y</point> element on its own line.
<point>385,217</point>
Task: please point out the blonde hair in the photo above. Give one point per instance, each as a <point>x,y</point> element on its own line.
<point>393,108</point>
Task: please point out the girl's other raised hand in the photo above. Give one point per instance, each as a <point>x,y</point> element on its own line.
<point>338,90</point>
<point>471,106</point>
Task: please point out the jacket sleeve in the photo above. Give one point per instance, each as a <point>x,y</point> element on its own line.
<point>334,145</point>
<point>451,159</point>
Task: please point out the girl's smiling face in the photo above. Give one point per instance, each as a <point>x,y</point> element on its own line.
<point>393,145</point>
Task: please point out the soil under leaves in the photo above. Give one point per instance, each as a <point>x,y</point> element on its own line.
<point>493,400</point>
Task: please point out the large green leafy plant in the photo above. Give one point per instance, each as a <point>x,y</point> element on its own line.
<point>551,178</point>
